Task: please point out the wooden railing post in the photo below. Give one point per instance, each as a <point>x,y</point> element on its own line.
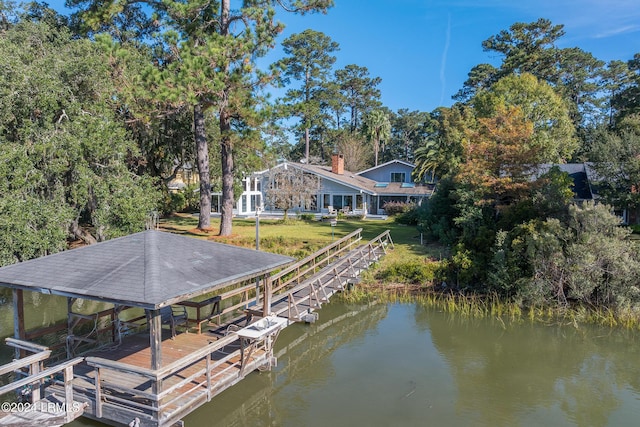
<point>266,299</point>
<point>34,369</point>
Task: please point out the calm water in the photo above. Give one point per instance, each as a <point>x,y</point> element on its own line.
<point>406,365</point>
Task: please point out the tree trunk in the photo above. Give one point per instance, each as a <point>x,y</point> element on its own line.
<point>306,144</point>
<point>226,156</point>
<point>307,96</point>
<point>202,158</point>
<point>376,148</point>
<point>226,151</point>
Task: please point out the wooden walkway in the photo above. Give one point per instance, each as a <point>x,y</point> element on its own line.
<point>115,384</point>
<point>298,296</point>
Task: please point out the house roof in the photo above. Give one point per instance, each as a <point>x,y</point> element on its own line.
<point>150,269</point>
<point>405,189</point>
<point>411,165</point>
<point>578,172</point>
<point>361,183</point>
<point>348,179</point>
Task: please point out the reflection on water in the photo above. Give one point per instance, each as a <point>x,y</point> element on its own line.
<point>403,364</point>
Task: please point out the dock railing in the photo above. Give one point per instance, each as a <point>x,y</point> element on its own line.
<point>31,375</point>
<point>337,275</point>
<point>190,377</point>
<point>296,273</point>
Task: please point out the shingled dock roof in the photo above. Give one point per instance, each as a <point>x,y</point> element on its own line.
<point>150,269</point>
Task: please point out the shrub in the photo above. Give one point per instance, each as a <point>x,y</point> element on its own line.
<point>184,200</point>
<point>411,216</point>
<point>307,216</point>
<point>396,208</point>
<point>415,272</point>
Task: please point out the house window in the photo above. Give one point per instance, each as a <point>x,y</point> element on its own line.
<point>348,202</point>
<point>397,176</point>
<point>337,201</point>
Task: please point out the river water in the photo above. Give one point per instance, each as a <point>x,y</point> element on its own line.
<point>408,365</point>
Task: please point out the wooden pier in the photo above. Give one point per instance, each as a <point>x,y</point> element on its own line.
<point>151,376</point>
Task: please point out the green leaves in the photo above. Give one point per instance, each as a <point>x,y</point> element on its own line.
<point>63,156</point>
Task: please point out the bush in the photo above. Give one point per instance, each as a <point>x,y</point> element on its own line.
<point>396,208</point>
<point>415,272</point>
<point>184,200</point>
<point>307,216</point>
<point>409,217</point>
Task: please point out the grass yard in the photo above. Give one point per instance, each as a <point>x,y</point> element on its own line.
<point>298,238</point>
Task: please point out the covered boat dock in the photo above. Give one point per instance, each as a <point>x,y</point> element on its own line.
<point>146,374</point>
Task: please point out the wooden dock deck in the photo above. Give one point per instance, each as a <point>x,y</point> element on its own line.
<point>197,367</point>
<point>116,385</point>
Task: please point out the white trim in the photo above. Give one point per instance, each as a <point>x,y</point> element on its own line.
<point>385,164</point>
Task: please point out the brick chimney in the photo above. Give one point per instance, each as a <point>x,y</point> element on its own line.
<point>337,164</point>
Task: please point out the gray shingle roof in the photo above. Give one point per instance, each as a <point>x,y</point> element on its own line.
<point>150,269</point>
<point>365,184</point>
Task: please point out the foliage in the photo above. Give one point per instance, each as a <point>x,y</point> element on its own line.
<point>410,216</point>
<point>441,152</point>
<point>416,272</point>
<point>377,129</point>
<point>553,134</point>
<point>184,200</point>
<point>617,163</point>
<point>396,208</point>
<point>307,217</point>
<point>436,220</point>
<point>587,258</point>
<point>409,130</point>
<point>71,159</point>
<point>309,61</point>
<point>352,146</point>
<point>359,92</point>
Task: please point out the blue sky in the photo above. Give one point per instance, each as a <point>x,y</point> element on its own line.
<point>423,49</point>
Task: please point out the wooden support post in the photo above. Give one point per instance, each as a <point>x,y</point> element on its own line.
<point>68,392</point>
<point>98,393</point>
<point>69,340</point>
<point>18,319</point>
<point>155,339</point>
<point>266,299</point>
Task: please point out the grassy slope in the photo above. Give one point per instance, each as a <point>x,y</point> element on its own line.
<point>299,238</point>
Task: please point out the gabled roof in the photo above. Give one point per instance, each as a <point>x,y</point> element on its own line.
<point>402,162</point>
<point>149,269</point>
<point>359,183</point>
<point>348,179</point>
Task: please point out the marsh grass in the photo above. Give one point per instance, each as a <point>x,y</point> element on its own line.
<point>492,307</point>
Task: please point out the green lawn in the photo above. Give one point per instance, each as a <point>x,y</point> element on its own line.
<point>299,238</point>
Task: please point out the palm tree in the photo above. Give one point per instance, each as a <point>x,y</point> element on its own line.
<point>377,127</point>
<point>428,160</point>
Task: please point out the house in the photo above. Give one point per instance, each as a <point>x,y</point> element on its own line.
<point>582,175</point>
<point>585,186</point>
<point>362,193</point>
<point>185,176</point>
